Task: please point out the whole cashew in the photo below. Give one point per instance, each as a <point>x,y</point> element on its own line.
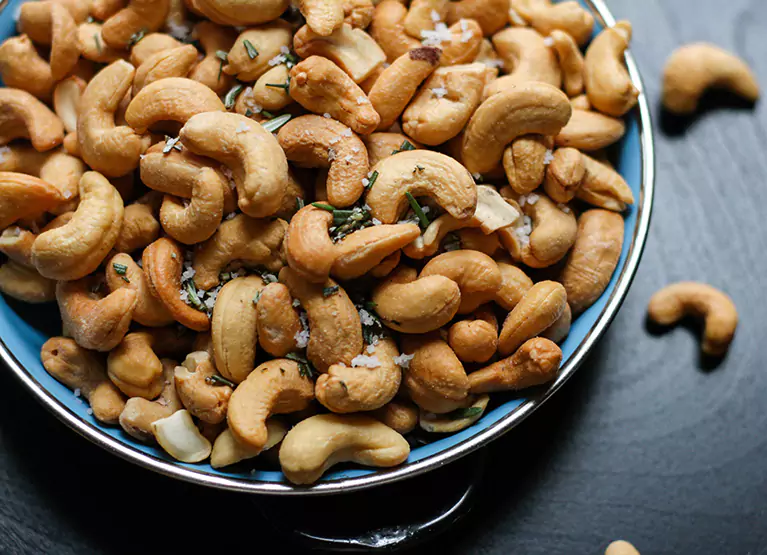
<point>400,416</point>
<point>92,46</point>
<point>253,154</point>
<point>254,242</point>
<point>529,108</point>
<point>524,162</point>
<point>321,86</point>
<point>382,145</point>
<point>554,231</point>
<point>138,15</point>
<point>264,94</point>
<point>474,239</point>
<point>411,305</point>
<point>275,387</point>
<point>23,196</point>
<point>199,220</point>
<point>484,12</point>
<point>22,67</point>
<point>421,173</point>
<point>25,117</point>
<point>546,17</point>
<point>421,15</point>
<point>242,12</point>
<point>358,13</point>
<point>149,310</point>
<point>107,148</point>
<point>673,302</point>
<point>278,322</point>
<point>388,29</point>
<point>621,547</point>
<point>319,442</point>
<point>16,244</point>
<point>559,330</point>
<point>54,166</point>
<point>465,43</point>
<point>213,38</point>
<point>77,248</point>
<point>26,284</point>
<point>139,414</point>
<point>536,362</point>
<point>268,39</point>
<point>61,34</point>
<point>432,237</point>
<point>604,187</point>
<point>82,370</point>
<point>104,9</point>
<point>600,240</point>
<point>334,323</point>
<point>308,248</point>
<point>525,51</point>
<point>322,16</point>
<point>475,339</point>
<point>590,131</point>
<point>608,83</point>
<point>35,18</point>
<point>227,450</point>
<point>203,398</point>
<point>134,367</point>
<point>451,423</point>
<point>694,68</point>
<point>540,307</point>
<point>564,175</point>
<point>570,60</point>
<point>95,322</point>
<point>362,251</point>
<point>169,63</point>
<point>66,101</point>
<point>476,274</point>
<point>435,379</point>
<point>314,141</point>
<point>152,44</point>
<point>139,229</point>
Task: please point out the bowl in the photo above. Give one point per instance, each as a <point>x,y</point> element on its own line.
<point>24,328</point>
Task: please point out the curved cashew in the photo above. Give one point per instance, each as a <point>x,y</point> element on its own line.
<point>474,239</point>
<point>139,414</point>
<point>319,442</point>
<point>554,230</point>
<point>570,60</point>
<point>254,242</point>
<point>590,131</point>
<point>23,196</point>
<point>421,173</point>
<point>422,14</point>
<point>322,16</point>
<point>257,162</point>
<point>314,141</point>
<point>382,145</point>
<point>26,284</point>
<point>77,248</point>
<point>334,324</point>
<point>536,362</point>
<point>435,379</point>
<point>411,305</point>
<point>227,450</point>
<point>55,167</point>
<point>35,18</point>
<point>388,29</point>
<point>673,302</point>
<point>16,244</point>
<point>150,45</point>
<point>269,40</point>
<point>353,50</point>
<point>400,416</point>
<point>465,43</point>
<point>694,68</point>
<point>454,422</point>
<point>264,94</point>
<point>564,175</point>
<point>514,285</point>
<point>56,27</point>
<point>524,162</point>
<point>213,38</point>
<point>608,83</point>
<point>81,370</point>
<point>123,273</point>
<point>321,86</point>
<point>166,64</point>
<point>345,389</point>
<point>476,339</point>
<point>25,117</point>
<point>445,103</point>
<point>559,330</point>
<point>112,150</point>
<point>278,322</point>
<point>66,101</point>
<point>593,258</point>
<point>199,220</point>
<point>484,12</point>
<point>200,395</point>
<point>399,82</point>
<point>546,17</point>
<point>364,250</point>
<point>529,108</point>
<point>308,248</point>
<point>242,12</point>
<point>94,322</point>
<point>525,51</point>
<point>163,263</point>
<point>433,235</point>
<point>476,274</point>
<point>540,307</point>
<point>92,46</point>
<point>275,387</point>
<point>134,367</point>
<point>139,229</point>
<point>604,187</point>
<point>580,102</point>
<point>181,438</point>
<point>621,547</point>
<point>22,67</point>
<point>138,15</point>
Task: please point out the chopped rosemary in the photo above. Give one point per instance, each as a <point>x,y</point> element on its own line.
<point>407,145</point>
<point>370,305</point>
<point>266,276</point>
<point>464,413</point>
<point>372,180</point>
<point>324,206</point>
<point>137,36</point>
<point>220,380</point>
<point>231,96</point>
<point>250,49</point>
<point>97,40</point>
<point>248,113</point>
<point>275,123</point>
<point>291,58</point>
<point>304,368</point>
<point>120,269</point>
<point>257,298</point>
<point>418,210</point>
<point>223,56</point>
<point>90,19</point>
<point>329,291</point>
<point>267,114</point>
<point>170,144</point>
<point>299,203</point>
<point>194,300</point>
<point>284,86</point>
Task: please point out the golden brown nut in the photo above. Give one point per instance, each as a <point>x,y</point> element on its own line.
<point>213,38</point>
<point>139,413</point>
<point>476,339</point>
<point>22,67</point>
<point>25,117</point>
<point>269,40</point>
<point>278,322</point>
<point>123,273</point>
<point>135,368</point>
<point>26,284</point>
<point>536,362</point>
<point>200,394</point>
<point>540,307</point>
<point>22,196</point>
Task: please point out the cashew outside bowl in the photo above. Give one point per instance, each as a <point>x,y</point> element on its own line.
<point>536,362</point>
<point>139,414</point>
<point>134,367</point>
<point>277,320</point>
<point>672,303</point>
<point>199,393</point>
<point>608,84</point>
<point>540,307</point>
<point>25,117</point>
<point>621,547</point>
<point>149,310</point>
<point>476,274</point>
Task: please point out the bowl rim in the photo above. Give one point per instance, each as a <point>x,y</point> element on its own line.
<point>410,470</point>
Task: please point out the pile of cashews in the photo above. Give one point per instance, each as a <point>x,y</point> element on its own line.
<point>318,226</point>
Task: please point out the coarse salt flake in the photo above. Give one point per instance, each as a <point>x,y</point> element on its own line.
<point>365,361</point>
<point>331,154</point>
<point>366,318</point>
<point>548,41</point>
<point>403,360</point>
<point>76,392</point>
<point>548,158</point>
<point>242,127</point>
<point>435,17</point>
<point>362,99</point>
<point>326,115</point>
<point>564,208</point>
<point>439,92</point>
<point>302,339</point>
<point>278,59</point>
<point>532,198</point>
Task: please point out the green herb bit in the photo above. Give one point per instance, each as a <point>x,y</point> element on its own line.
<point>257,298</point>
<point>125,279</point>
<point>97,39</point>
<point>284,86</point>
<point>193,298</point>
<point>329,291</point>
<point>465,413</point>
<point>370,305</point>
<point>231,96</point>
<point>120,268</point>
<point>170,144</point>
<point>407,145</point>
<point>137,36</point>
<point>248,112</point>
<point>250,49</point>
<point>275,123</point>
<point>372,180</point>
<point>90,19</point>
<point>324,206</point>
<point>418,210</point>
<point>220,380</point>
<point>291,58</point>
<point>267,114</point>
<point>223,56</point>
<point>299,203</point>
<point>304,368</point>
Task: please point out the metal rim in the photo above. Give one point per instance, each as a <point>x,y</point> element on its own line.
<point>496,430</point>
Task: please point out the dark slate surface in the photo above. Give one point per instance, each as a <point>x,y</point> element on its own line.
<point>646,442</point>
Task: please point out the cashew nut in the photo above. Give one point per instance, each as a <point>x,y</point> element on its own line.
<point>267,93</point>
<point>432,237</point>
<point>22,67</point>
<point>35,18</point>
<point>457,421</point>
<point>66,101</point>
<point>199,393</point>
<point>25,117</point>
<point>139,414</point>
<point>16,244</point>
<point>382,145</point>
<point>401,416</point>
<point>590,131</point>
<point>198,221</point>
<point>570,60</point>
<point>546,17</point>
<point>322,16</point>
<point>621,547</point>
<point>422,15</point>
<point>474,239</point>
<point>23,196</point>
<point>604,187</point>
<point>554,230</point>
<point>169,63</point>
<point>139,229</point>
<point>536,362</point>
<point>26,284</point>
<point>559,330</point>
<point>138,15</point>
<point>608,83</point>
<point>92,46</point>
<point>135,368</point>
<point>152,44</point>
<point>213,38</point>
<point>362,251</point>
<point>149,310</point>
<point>524,162</point>
<point>241,12</point>
<point>58,30</point>
<point>269,40</point>
<point>564,175</point>
<point>227,450</point>
<point>525,51</point>
<point>180,438</point>
<point>278,323</point>
<point>484,12</point>
<point>476,274</point>
<point>476,339</point>
<point>388,29</point>
<point>581,102</point>
<point>540,307</point>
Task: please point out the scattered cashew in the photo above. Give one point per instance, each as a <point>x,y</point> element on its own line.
<point>621,547</point>
<point>476,339</point>
<point>278,323</point>
<point>149,310</point>
<point>139,414</point>
<point>608,83</point>
<point>536,362</point>
<point>25,117</point>
<point>540,307</point>
<point>199,393</point>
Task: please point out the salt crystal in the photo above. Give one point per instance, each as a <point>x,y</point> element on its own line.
<point>366,318</point>
<point>285,50</point>
<point>179,31</point>
<point>362,99</point>
<point>346,132</point>
<point>348,158</point>
<point>439,92</point>
<point>365,182</point>
<point>435,17</point>
<point>355,149</point>
<point>67,194</point>
<point>302,339</point>
<point>326,115</point>
<point>548,158</point>
<point>331,155</point>
<point>296,303</point>
<point>564,208</point>
<point>376,221</point>
<point>548,41</point>
<point>278,59</point>
<point>532,198</point>
<point>436,37</point>
<point>188,274</point>
<point>89,412</point>
<point>77,392</point>
<point>230,216</point>
<point>365,361</point>
<point>403,360</point>
<point>242,127</point>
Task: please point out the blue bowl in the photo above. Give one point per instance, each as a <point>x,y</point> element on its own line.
<point>24,329</point>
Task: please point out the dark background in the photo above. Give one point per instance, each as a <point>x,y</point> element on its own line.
<point>645,443</point>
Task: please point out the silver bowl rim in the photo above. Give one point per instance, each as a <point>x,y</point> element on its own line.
<point>437,460</point>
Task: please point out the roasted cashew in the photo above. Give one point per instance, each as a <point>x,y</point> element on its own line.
<point>673,302</point>
<point>445,103</point>
<point>169,63</point>
<point>546,17</point>
<point>322,16</point>
<point>581,102</point>
<point>421,173</point>
<point>163,263</point>
<point>401,416</point>
<point>476,274</point>
<point>604,187</point>
<point>475,339</point>
<point>278,322</point>
<point>529,108</point>
<point>254,156</point>
<point>694,68</point>
<point>621,547</point>
<point>319,442</point>
<point>54,166</point>
<point>525,53</point>
<point>138,15</point>
<point>422,14</point>
<point>269,40</point>
<point>242,12</point>
<point>140,228</point>
<point>23,196</point>
<point>95,322</point>
<point>152,44</point>
<point>16,244</point>
<point>254,242</point>
<point>554,230</point>
<point>60,34</point>
<point>559,330</point>
<point>451,423</point>
<point>590,131</point>
<point>227,450</point>
<point>315,141</point>
<point>388,29</point>
<point>465,43</point>
<point>139,413</point>
<point>149,310</point>
<point>198,221</point>
<point>24,117</point>
<point>66,101</point>
<point>608,83</point>
<point>107,148</point>
<point>275,387</point>
<point>411,305</point>
<point>213,38</point>
<point>264,94</point>
<point>432,237</point>
<point>92,46</point>
<point>362,251</point>
<point>134,367</point>
<point>180,437</point>
<point>570,60</point>
<point>399,82</point>
<point>104,9</point>
<point>564,175</point>
<point>358,13</point>
<point>382,145</point>
<point>26,284</point>
<point>435,379</point>
<point>540,307</point>
<point>484,12</point>
<point>35,18</point>
<point>335,330</point>
<point>322,87</point>
<point>201,396</point>
<point>353,50</point>
<point>593,258</point>
<point>82,371</point>
<point>474,239</point>
<point>308,248</point>
<point>536,362</point>
<point>234,327</point>
<point>524,162</point>
<point>77,248</point>
<point>22,67</point>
